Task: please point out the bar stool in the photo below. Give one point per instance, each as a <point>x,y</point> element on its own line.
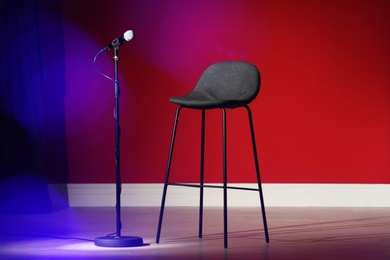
<point>223,85</point>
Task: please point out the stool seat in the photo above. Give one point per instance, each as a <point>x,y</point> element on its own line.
<point>224,84</point>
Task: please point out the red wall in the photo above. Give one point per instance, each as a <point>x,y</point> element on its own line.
<point>322,115</point>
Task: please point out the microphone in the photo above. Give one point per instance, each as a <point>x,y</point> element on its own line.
<point>127,36</point>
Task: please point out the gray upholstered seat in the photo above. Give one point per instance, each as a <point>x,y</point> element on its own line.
<point>224,84</point>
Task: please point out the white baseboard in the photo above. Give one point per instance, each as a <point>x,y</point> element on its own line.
<point>275,195</point>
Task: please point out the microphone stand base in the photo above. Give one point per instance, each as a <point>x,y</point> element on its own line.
<point>122,241</point>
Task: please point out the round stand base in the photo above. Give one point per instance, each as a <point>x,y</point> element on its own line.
<point>122,241</point>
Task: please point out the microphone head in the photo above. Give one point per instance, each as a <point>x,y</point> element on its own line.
<point>128,35</point>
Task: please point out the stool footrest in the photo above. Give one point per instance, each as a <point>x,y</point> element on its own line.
<point>210,186</point>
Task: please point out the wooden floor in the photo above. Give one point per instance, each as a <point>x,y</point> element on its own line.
<point>295,233</point>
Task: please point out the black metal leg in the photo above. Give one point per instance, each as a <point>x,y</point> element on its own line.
<point>167,176</point>
<point>225,188</point>
<point>224,151</point>
<point>258,174</point>
<point>201,173</point>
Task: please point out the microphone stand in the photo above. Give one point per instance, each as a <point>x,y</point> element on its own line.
<point>118,240</point>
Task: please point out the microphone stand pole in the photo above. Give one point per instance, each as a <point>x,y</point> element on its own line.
<point>118,240</point>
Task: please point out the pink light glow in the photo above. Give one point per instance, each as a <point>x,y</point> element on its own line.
<point>181,37</point>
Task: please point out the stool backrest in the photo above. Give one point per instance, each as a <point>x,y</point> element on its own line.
<point>235,82</point>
